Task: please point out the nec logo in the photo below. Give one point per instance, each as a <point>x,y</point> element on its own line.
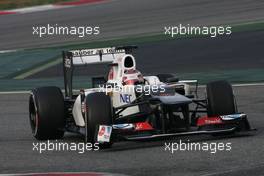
<point>125,98</point>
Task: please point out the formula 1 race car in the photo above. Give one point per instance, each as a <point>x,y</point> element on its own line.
<point>130,106</point>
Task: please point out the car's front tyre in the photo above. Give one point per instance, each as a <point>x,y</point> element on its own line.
<point>99,111</point>
<point>220,98</point>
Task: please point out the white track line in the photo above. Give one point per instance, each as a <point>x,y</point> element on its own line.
<point>250,84</point>
<point>14,92</point>
<point>39,8</point>
<point>8,51</point>
<point>242,85</point>
<point>66,173</point>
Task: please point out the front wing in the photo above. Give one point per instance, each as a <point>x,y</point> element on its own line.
<point>227,124</point>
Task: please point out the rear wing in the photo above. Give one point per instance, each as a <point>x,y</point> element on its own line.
<point>94,56</point>
<point>84,57</point>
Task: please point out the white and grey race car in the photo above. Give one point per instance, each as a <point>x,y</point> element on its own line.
<point>129,106</point>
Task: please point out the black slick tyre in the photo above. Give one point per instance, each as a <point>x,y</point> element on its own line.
<point>46,113</point>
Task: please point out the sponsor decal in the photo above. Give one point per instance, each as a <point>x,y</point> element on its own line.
<point>104,133</point>
<point>101,131</point>
<point>212,121</point>
<point>142,126</point>
<point>108,130</point>
<point>91,52</point>
<point>125,98</point>
<point>208,121</point>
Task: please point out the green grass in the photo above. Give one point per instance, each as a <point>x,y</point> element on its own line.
<point>17,63</point>
<point>13,4</point>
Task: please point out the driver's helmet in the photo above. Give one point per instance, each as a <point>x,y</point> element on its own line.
<point>132,77</point>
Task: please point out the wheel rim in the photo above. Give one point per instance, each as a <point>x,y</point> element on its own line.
<point>33,117</point>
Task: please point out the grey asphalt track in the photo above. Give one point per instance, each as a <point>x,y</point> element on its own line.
<point>133,158</point>
<point>119,18</point>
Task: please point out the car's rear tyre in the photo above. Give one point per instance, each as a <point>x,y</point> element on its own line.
<point>99,111</point>
<point>46,113</point>
<point>220,98</point>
